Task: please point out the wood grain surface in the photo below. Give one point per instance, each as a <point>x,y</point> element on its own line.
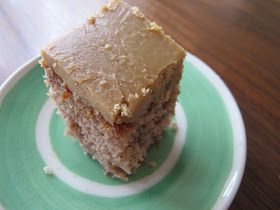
<point>240,39</point>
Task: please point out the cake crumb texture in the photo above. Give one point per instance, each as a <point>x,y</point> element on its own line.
<point>47,170</point>
<point>119,148</point>
<point>91,20</point>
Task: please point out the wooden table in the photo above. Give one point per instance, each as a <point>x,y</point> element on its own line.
<point>240,39</point>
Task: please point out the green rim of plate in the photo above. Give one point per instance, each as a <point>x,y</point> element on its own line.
<point>196,181</point>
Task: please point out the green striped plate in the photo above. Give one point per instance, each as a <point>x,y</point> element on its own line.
<point>199,165</point>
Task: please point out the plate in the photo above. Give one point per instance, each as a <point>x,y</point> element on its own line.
<point>198,165</point>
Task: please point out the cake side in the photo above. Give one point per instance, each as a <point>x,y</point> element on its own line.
<point>120,148</point>
<point>115,61</point>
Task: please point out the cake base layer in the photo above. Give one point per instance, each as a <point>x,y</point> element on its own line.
<point>119,148</point>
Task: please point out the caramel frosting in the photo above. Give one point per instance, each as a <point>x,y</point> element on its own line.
<point>113,60</point>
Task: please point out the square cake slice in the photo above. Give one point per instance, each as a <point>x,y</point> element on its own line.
<point>115,80</point>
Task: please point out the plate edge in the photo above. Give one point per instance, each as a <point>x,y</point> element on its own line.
<point>11,81</point>
<point>234,178</point>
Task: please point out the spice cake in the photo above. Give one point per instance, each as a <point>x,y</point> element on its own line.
<point>115,80</point>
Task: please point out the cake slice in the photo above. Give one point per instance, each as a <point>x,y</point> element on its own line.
<point>115,80</point>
